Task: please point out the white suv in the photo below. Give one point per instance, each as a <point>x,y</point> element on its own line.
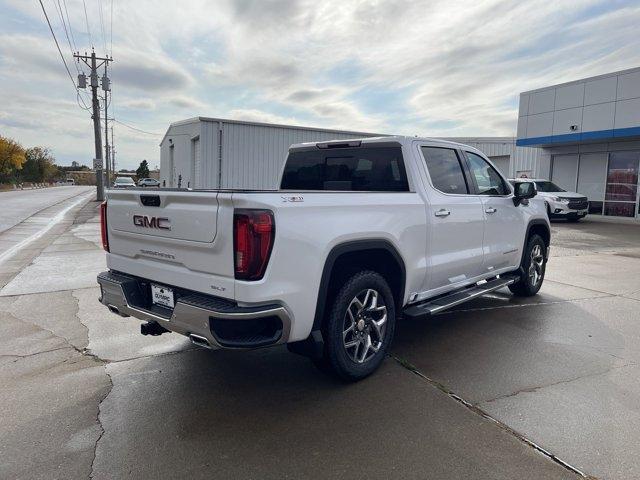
<point>559,203</point>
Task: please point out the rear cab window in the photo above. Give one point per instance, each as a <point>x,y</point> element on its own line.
<point>369,168</point>
<point>445,169</point>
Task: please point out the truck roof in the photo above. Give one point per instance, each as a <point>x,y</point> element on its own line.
<point>402,139</point>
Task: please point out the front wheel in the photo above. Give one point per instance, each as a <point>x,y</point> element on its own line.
<point>533,265</point>
<point>360,327</point>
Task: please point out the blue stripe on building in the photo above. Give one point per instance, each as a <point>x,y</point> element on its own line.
<point>577,137</point>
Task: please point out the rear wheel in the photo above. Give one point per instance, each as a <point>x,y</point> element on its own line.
<point>533,265</point>
<point>360,327</point>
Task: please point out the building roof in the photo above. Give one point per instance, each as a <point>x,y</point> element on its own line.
<point>265,124</point>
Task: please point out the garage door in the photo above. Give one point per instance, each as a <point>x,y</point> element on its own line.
<point>592,173</point>
<point>502,163</point>
<point>564,171</point>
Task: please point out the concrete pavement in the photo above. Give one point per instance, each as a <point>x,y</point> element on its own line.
<point>87,395</point>
<point>32,223</point>
<point>18,205</point>
<point>561,368</point>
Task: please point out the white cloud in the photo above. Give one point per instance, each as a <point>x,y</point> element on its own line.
<point>138,104</point>
<point>455,67</point>
<point>255,115</point>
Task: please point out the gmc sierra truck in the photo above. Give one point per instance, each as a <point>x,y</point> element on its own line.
<point>359,233</point>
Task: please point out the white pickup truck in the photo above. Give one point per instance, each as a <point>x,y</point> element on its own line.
<point>360,232</point>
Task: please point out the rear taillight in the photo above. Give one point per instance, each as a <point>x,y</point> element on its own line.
<point>253,234</point>
<point>103,226</point>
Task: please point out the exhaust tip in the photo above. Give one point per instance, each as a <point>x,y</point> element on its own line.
<point>114,309</point>
<point>199,341</point>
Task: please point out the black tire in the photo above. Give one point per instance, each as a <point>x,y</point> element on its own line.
<point>342,360</point>
<point>529,285</point>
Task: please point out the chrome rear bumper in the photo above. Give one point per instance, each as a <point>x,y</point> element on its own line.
<point>221,322</point>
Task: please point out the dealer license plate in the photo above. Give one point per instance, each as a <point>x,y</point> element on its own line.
<point>162,296</point>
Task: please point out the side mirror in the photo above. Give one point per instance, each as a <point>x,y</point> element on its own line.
<point>523,191</point>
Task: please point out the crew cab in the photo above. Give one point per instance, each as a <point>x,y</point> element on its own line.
<point>359,232</point>
<point>559,203</point>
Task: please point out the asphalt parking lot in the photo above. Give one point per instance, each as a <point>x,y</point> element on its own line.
<point>544,387</point>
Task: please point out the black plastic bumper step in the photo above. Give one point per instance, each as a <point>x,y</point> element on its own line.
<point>439,304</point>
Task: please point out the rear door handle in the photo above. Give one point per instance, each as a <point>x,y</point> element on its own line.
<point>491,210</point>
<point>443,212</point>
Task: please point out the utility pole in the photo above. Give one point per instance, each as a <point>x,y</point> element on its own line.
<point>113,153</point>
<point>106,88</point>
<point>91,61</point>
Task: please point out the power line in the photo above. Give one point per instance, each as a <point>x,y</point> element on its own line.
<point>78,99</point>
<point>73,40</point>
<point>86,19</point>
<point>137,129</point>
<point>78,96</point>
<point>111,28</point>
<point>58,8</point>
<point>58,46</point>
<point>104,38</point>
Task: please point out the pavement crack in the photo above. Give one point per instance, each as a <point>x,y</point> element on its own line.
<point>77,316</point>
<point>18,356</point>
<point>583,288</point>
<point>478,411</point>
<point>99,422</point>
<point>552,384</point>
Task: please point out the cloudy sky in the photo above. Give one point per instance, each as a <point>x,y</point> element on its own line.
<point>435,68</point>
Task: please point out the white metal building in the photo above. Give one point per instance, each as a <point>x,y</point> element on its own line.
<point>217,153</point>
<point>212,152</point>
<point>587,135</point>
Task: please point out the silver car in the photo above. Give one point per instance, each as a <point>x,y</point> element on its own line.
<point>148,182</point>
<point>124,182</point>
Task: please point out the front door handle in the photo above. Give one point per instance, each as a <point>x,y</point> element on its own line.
<point>491,210</point>
<point>443,212</point>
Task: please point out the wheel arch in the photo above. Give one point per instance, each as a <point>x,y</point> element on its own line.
<point>379,255</point>
<point>540,227</point>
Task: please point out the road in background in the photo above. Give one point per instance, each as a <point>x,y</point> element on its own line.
<point>18,205</point>
<point>99,400</point>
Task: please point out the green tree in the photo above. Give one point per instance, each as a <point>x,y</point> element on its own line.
<point>11,158</point>
<point>143,170</point>
<point>39,165</point>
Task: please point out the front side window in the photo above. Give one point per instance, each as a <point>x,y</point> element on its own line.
<point>445,170</point>
<point>487,179</point>
<point>377,169</point>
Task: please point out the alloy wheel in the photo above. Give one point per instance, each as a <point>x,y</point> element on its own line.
<point>364,325</point>
<point>536,265</point>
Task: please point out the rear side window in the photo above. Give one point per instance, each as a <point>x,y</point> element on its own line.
<point>353,169</point>
<point>445,170</point>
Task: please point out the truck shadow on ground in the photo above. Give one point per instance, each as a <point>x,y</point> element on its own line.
<point>499,344</point>
<point>250,413</point>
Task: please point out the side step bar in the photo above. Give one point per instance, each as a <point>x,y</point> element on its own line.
<point>433,306</point>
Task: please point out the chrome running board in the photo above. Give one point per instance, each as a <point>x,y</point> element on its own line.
<point>438,304</point>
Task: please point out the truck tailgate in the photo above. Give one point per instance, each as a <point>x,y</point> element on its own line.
<point>171,235</point>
